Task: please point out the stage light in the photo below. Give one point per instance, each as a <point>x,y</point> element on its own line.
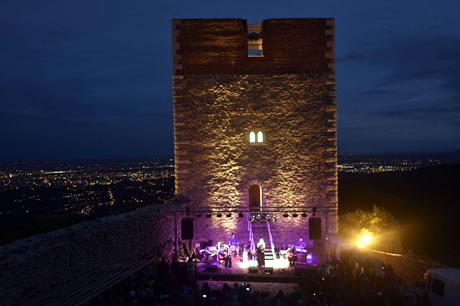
<point>366,239</point>
<point>241,215</point>
<point>304,215</point>
<point>285,215</point>
<point>198,215</point>
<point>208,215</point>
<point>219,215</point>
<point>295,215</point>
<point>229,215</point>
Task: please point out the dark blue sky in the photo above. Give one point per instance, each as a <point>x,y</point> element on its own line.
<point>92,79</point>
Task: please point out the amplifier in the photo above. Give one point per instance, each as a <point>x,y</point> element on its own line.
<point>302,258</point>
<point>212,267</point>
<point>253,270</point>
<point>268,270</point>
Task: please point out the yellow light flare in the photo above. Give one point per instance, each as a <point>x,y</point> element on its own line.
<point>366,239</point>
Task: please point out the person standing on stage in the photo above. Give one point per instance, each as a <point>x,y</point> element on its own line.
<point>233,243</point>
<point>300,244</point>
<point>261,253</point>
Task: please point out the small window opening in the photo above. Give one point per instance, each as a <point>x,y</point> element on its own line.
<point>252,137</point>
<point>256,137</point>
<point>255,40</point>
<point>260,136</point>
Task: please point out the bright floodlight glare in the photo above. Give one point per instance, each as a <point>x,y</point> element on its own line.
<point>366,239</point>
<point>360,245</point>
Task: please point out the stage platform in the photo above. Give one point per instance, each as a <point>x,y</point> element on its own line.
<point>240,272</point>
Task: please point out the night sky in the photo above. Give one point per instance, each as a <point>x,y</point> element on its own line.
<point>92,79</point>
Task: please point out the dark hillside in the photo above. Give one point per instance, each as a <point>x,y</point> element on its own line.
<point>425,201</point>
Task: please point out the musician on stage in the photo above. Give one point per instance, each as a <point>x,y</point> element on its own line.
<point>226,257</point>
<point>300,245</point>
<point>291,257</point>
<point>197,252</point>
<point>261,253</point>
<point>233,243</point>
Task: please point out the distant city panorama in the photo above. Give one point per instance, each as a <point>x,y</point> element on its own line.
<point>105,187</point>
<point>37,197</point>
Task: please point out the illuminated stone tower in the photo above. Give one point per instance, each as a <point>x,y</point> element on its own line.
<point>255,122</point>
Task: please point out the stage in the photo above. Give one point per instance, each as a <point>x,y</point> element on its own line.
<point>275,271</point>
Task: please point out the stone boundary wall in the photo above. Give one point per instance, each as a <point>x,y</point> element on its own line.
<point>37,264</point>
<point>409,268</point>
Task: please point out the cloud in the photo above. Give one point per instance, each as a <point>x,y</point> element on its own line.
<point>427,110</point>
<point>379,91</point>
<point>351,57</point>
<point>422,68</point>
<point>425,57</point>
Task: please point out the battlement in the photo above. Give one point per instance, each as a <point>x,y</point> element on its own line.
<point>220,46</point>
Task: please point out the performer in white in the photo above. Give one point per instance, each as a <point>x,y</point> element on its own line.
<point>261,253</point>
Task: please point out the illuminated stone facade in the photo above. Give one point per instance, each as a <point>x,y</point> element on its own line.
<point>220,95</point>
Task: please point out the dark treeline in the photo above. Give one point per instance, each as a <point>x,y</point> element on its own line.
<point>425,201</point>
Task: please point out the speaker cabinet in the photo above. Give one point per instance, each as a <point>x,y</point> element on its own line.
<point>301,258</point>
<point>253,270</point>
<point>268,270</point>
<point>314,228</point>
<point>187,229</point>
<point>212,267</point>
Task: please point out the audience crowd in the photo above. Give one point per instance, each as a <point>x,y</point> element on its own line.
<point>352,280</point>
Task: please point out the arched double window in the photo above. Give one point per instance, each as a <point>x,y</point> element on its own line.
<point>256,137</point>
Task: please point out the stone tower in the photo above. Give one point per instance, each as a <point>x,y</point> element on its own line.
<point>255,123</point>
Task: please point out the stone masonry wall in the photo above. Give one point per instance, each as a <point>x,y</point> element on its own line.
<point>35,265</point>
<point>294,166</point>
<point>220,95</point>
<point>215,46</point>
